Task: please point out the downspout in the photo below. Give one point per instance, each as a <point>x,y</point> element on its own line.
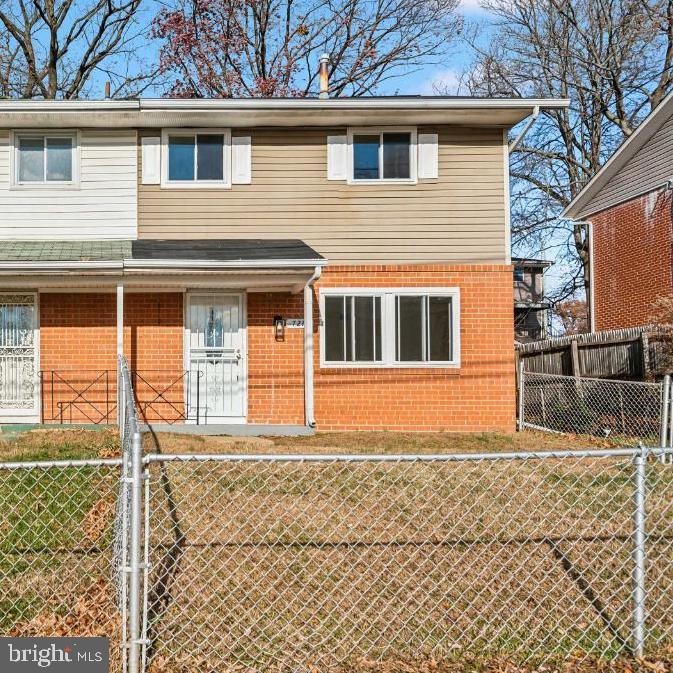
<point>531,120</point>
<point>309,410</point>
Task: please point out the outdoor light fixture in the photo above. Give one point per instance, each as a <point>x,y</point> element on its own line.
<point>279,327</point>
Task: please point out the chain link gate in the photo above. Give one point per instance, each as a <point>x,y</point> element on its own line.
<point>298,561</point>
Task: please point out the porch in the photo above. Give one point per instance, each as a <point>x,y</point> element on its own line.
<point>204,325</point>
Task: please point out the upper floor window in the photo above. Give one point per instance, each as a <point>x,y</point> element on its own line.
<point>518,274</point>
<point>382,155</point>
<point>44,159</point>
<point>198,158</point>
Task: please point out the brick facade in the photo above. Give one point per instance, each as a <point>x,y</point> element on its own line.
<point>632,263</point>
<point>478,396</point>
<point>78,333</point>
<point>78,347</point>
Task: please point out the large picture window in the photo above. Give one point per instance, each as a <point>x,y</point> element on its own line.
<point>396,327</point>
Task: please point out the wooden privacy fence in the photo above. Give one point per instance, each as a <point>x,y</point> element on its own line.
<point>636,353</point>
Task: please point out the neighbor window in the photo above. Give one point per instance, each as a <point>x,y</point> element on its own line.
<point>197,157</point>
<point>518,274</point>
<point>385,155</point>
<point>44,159</point>
<point>390,327</point>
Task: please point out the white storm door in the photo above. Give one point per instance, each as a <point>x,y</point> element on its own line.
<point>215,338</point>
<point>19,389</point>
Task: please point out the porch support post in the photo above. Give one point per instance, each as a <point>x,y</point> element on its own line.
<point>309,412</point>
<point>120,351</point>
<point>120,319</point>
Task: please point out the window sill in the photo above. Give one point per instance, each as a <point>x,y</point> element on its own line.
<point>195,185</point>
<point>45,186</point>
<point>369,183</point>
<point>373,365</point>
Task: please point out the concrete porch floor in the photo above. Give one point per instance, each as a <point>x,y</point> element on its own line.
<point>232,430</point>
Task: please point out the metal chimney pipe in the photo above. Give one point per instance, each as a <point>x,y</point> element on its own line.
<point>107,90</point>
<point>324,76</point>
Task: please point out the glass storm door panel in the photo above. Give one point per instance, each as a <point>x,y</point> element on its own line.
<point>18,355</point>
<point>216,371</point>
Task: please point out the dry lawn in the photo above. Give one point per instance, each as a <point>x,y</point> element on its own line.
<point>498,567</point>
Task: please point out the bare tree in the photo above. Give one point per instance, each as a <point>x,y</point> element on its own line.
<point>57,48</point>
<point>612,59</point>
<point>225,48</point>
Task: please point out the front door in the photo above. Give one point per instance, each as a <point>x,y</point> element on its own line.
<point>19,389</point>
<point>216,358</point>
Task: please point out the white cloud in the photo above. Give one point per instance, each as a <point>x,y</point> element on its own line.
<point>471,6</point>
<point>441,82</point>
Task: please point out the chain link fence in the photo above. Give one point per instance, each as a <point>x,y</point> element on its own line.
<point>265,562</point>
<point>628,410</point>
<point>307,561</point>
<point>56,523</point>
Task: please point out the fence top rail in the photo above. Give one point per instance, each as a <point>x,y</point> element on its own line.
<point>402,458</point>
<point>581,379</point>
<point>46,464</point>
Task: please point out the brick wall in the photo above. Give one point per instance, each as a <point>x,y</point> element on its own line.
<point>78,332</point>
<point>632,260</point>
<point>275,368</point>
<point>78,346</point>
<point>478,396</point>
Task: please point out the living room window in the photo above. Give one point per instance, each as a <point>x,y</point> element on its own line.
<point>44,159</point>
<point>400,327</point>
<point>199,158</point>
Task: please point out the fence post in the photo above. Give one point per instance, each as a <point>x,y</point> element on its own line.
<point>135,563</point>
<point>638,598</point>
<point>665,393</point>
<point>520,381</point>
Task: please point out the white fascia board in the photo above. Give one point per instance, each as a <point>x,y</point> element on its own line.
<point>102,265</point>
<point>394,103</point>
<point>160,265</point>
<point>167,264</point>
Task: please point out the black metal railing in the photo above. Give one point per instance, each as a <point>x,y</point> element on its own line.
<point>90,396</point>
<point>78,396</point>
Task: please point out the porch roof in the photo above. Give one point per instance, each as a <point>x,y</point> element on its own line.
<point>164,254</point>
<point>280,265</point>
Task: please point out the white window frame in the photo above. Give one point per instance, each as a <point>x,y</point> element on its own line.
<point>196,184</point>
<point>15,137</point>
<point>373,130</point>
<point>388,326</point>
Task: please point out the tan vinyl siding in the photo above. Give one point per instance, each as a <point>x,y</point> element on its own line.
<point>651,166</point>
<point>459,217</point>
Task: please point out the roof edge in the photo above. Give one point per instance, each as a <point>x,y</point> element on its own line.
<point>579,207</point>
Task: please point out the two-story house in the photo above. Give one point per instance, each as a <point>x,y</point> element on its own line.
<point>627,207</point>
<point>339,263</point>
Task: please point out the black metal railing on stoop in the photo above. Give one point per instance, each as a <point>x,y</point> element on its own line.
<point>89,396</point>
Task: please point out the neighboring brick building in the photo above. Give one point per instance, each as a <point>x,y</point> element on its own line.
<point>629,206</point>
<point>339,264</point>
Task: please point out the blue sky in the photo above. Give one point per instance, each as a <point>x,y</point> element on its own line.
<point>446,75</point>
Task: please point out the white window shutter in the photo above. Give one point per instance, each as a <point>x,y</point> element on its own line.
<point>241,160</point>
<point>428,156</point>
<point>337,158</point>
<point>151,161</point>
